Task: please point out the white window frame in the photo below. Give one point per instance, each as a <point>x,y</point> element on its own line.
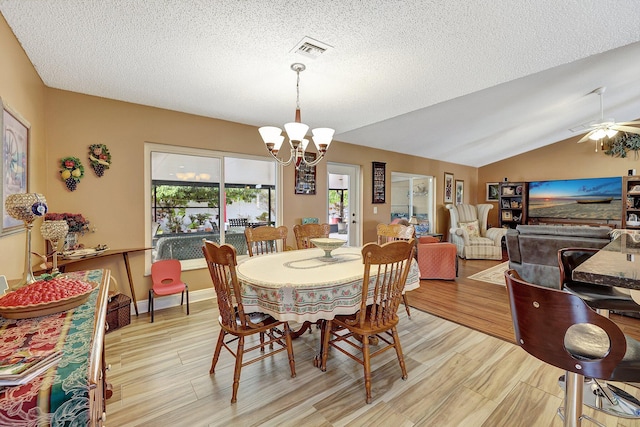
<point>149,147</point>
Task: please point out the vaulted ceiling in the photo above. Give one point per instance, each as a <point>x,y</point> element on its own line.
<point>458,81</point>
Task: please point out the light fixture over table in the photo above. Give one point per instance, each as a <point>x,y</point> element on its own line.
<point>296,131</point>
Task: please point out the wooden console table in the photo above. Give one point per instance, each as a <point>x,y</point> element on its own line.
<point>73,391</point>
<point>110,252</point>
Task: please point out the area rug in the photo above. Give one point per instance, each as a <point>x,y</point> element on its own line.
<point>493,275</point>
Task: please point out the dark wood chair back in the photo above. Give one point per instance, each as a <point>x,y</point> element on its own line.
<point>562,330</point>
<point>305,232</point>
<point>266,239</point>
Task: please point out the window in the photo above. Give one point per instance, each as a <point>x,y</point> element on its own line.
<point>196,194</point>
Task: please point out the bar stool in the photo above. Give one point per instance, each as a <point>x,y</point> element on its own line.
<point>562,330</point>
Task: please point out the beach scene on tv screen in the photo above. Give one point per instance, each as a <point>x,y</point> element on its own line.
<point>587,198</point>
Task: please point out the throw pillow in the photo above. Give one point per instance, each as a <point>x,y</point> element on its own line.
<point>472,228</point>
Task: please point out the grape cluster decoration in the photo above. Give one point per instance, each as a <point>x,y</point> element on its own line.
<point>100,158</point>
<point>71,172</point>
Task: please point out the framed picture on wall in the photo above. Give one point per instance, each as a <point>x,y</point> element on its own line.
<point>15,162</point>
<point>459,191</point>
<point>448,187</point>
<point>378,182</point>
<point>306,176</point>
<point>493,191</point>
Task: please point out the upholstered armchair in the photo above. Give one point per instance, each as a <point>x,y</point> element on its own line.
<point>470,234</point>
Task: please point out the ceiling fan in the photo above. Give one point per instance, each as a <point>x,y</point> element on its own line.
<point>607,127</point>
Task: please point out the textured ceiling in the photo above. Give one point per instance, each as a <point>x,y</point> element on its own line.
<point>458,81</point>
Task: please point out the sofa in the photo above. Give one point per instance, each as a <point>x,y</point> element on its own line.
<point>533,249</point>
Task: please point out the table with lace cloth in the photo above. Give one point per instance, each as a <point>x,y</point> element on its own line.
<point>303,286</point>
<point>61,396</point>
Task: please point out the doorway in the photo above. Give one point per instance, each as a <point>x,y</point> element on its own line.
<point>344,202</point>
<point>412,198</point>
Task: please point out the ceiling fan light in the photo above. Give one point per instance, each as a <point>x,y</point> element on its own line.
<point>611,132</point>
<point>296,131</point>
<point>597,134</point>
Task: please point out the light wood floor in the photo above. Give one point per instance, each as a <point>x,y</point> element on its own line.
<point>458,376</point>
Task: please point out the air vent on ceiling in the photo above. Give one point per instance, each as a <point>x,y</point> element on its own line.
<point>310,48</point>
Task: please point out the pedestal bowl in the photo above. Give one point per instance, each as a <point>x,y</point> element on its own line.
<point>327,244</point>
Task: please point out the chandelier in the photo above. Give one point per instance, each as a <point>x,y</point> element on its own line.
<point>296,131</point>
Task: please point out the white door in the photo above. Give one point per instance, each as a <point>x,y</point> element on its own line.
<point>344,209</point>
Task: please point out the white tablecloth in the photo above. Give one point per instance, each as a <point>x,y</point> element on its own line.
<point>304,286</point>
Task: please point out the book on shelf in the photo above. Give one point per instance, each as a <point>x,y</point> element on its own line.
<point>22,367</point>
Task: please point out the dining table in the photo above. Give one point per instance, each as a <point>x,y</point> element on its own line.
<point>616,264</point>
<point>306,286</point>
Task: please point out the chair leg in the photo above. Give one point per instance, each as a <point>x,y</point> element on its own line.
<point>186,288</point>
<point>326,335</point>
<point>238,368</point>
<point>289,341</point>
<point>406,304</point>
<point>366,359</point>
<point>398,347</point>
<point>216,353</point>
<point>151,303</point>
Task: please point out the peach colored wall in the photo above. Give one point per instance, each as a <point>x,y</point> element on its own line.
<point>23,91</point>
<point>563,160</point>
<point>114,203</point>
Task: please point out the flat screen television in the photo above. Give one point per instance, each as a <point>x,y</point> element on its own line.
<point>586,198</point>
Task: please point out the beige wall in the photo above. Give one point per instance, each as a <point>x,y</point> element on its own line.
<point>23,91</point>
<point>114,203</point>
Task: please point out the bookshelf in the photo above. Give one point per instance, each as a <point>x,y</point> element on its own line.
<point>512,206</point>
<point>631,202</point>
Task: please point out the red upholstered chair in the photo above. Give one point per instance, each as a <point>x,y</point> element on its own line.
<point>437,260</point>
<point>165,276</point>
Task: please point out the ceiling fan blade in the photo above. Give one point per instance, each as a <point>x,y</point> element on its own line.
<point>628,129</point>
<point>629,123</point>
<point>586,137</point>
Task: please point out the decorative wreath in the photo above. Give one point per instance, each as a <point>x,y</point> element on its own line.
<point>100,158</point>
<point>71,172</point>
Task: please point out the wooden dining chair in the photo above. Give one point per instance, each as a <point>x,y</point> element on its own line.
<point>385,273</point>
<point>391,232</point>
<point>266,239</point>
<point>305,232</point>
<point>235,324</point>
